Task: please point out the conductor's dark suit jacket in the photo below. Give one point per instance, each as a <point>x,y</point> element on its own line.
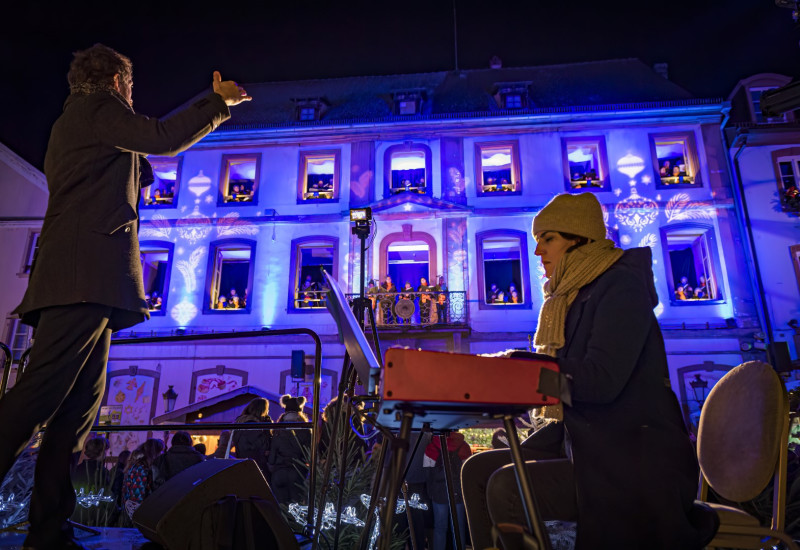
<point>95,167</point>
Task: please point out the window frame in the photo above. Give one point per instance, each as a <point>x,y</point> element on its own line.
<point>169,247</point>
<point>224,179</point>
<point>789,153</point>
<point>210,298</point>
<point>297,245</point>
<point>407,147</point>
<point>146,190</point>
<point>31,246</point>
<point>602,159</point>
<point>522,237</point>
<point>14,324</point>
<point>709,233</point>
<point>516,168</point>
<point>691,159</point>
<point>302,175</point>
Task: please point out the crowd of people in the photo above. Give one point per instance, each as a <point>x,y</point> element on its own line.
<point>232,301</point>
<point>240,193</point>
<point>673,173</point>
<point>495,295</point>
<point>161,195</point>
<point>400,307</point>
<point>312,293</point>
<point>685,291</point>
<point>154,301</point>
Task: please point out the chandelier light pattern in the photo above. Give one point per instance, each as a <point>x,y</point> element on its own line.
<point>636,212</point>
<point>194,227</point>
<point>184,312</point>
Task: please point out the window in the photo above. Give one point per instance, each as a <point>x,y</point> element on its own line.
<point>585,164</point>
<point>512,95</point>
<point>19,338</point>
<point>755,101</point>
<point>407,169</point>
<point>497,168</point>
<point>231,276</point>
<point>307,287</point>
<point>787,175</point>
<point>691,264</point>
<point>407,103</point>
<point>503,279</point>
<point>307,113</point>
<point>675,160</point>
<point>239,181</point>
<point>319,176</point>
<point>309,109</point>
<point>156,261</point>
<point>163,191</point>
<point>30,252</point>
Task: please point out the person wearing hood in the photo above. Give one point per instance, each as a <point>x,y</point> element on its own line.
<point>288,454</point>
<point>254,444</point>
<point>620,462</point>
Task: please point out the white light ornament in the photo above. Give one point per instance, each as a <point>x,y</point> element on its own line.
<point>300,514</point>
<point>636,212</point>
<point>9,504</point>
<point>91,499</point>
<point>199,184</point>
<point>630,165</point>
<point>194,227</point>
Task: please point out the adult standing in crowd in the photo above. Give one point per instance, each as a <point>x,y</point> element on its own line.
<point>181,455</point>
<point>632,477</point>
<point>86,278</point>
<point>254,444</point>
<point>287,457</point>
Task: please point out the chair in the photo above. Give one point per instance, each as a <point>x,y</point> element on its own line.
<point>742,443</point>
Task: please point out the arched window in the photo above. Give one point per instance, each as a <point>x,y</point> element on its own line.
<point>503,278</point>
<point>230,276</point>
<point>156,259</point>
<point>307,288</point>
<point>692,264</point>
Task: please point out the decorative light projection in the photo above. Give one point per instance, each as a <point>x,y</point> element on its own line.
<point>230,225</point>
<point>10,504</point>
<point>199,184</point>
<point>636,212</point>
<point>630,165</point>
<point>194,227</point>
<point>648,240</point>
<point>625,240</point>
<point>184,312</point>
<point>158,228</point>
<point>188,268</point>
<point>681,207</point>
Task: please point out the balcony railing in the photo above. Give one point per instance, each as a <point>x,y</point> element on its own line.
<point>411,308</point>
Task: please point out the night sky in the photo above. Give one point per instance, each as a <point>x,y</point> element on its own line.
<point>175,46</point>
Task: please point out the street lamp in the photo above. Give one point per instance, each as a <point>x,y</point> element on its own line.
<point>170,396</point>
<point>700,389</point>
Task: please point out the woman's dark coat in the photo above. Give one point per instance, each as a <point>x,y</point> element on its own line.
<point>635,468</point>
<point>95,168</point>
<point>253,444</point>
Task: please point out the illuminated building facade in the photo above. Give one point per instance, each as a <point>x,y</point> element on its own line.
<point>454,166</point>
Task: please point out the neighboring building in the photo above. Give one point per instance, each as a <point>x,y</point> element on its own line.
<point>24,200</point>
<point>454,166</point>
<point>765,155</point>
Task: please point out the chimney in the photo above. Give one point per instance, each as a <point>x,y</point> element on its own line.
<point>495,63</point>
<point>662,69</point>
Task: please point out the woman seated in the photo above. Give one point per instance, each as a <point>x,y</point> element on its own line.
<point>618,461</point>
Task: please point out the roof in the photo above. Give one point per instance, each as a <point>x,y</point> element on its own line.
<point>470,92</point>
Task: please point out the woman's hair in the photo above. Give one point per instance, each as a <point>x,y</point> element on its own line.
<point>570,237</point>
<point>258,407</point>
<point>300,415</point>
<point>96,67</point>
<point>146,453</point>
<point>95,447</point>
<point>122,459</point>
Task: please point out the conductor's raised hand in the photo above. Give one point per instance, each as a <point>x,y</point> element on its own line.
<point>229,91</point>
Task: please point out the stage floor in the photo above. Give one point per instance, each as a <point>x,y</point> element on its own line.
<point>110,538</point>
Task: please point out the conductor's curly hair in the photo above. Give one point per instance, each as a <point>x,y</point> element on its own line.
<point>97,66</point>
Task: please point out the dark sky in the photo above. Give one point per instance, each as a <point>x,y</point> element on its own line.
<point>174,45</point>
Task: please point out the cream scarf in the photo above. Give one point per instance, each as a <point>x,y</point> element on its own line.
<point>574,271</point>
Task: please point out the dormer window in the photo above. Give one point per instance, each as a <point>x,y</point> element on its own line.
<point>309,109</point>
<point>512,96</point>
<point>407,103</point>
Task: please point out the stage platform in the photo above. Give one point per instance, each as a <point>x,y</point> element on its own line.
<point>110,538</point>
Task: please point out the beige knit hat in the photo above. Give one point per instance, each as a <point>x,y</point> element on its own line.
<point>578,214</point>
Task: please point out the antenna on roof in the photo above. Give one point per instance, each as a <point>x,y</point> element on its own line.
<point>455,33</point>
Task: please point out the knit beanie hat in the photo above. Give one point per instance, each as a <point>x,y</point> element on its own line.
<point>579,214</point>
<point>292,404</point>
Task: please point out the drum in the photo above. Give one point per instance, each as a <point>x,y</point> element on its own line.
<point>404,308</point>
